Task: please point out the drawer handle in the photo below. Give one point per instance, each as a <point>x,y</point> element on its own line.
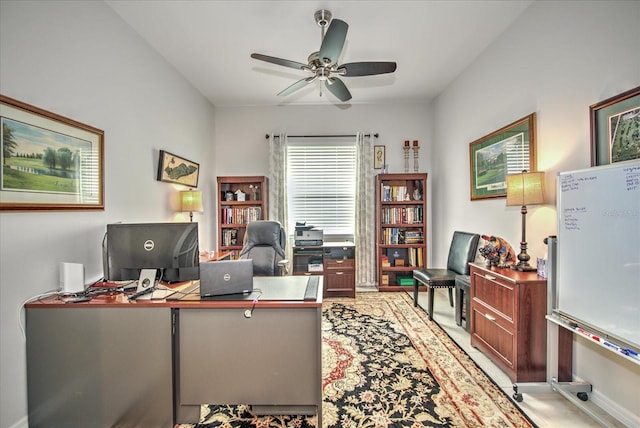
<point>490,317</point>
<point>339,273</point>
<point>339,261</point>
<point>490,277</point>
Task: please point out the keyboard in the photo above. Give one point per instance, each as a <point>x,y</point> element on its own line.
<point>312,288</point>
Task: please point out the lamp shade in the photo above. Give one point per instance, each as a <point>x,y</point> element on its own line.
<point>525,188</point>
<point>191,201</point>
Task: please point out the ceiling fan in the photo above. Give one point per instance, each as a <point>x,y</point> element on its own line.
<point>323,64</point>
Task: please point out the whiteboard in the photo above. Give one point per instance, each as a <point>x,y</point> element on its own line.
<point>598,257</point>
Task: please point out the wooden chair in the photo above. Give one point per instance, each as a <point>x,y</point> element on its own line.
<point>461,251</point>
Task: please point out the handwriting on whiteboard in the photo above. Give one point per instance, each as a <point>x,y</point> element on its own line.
<point>571,183</point>
<point>572,216</point>
<point>632,176</point>
<point>631,180</point>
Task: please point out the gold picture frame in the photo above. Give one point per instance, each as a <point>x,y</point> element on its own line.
<point>49,162</point>
<point>509,150</point>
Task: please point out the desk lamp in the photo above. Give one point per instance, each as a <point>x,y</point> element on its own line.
<point>526,188</point>
<point>191,201</point>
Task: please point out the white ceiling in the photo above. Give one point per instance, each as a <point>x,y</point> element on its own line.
<point>209,43</point>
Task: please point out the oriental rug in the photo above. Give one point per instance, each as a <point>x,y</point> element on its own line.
<point>386,365</point>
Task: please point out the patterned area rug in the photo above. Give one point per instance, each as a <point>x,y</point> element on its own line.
<point>386,365</point>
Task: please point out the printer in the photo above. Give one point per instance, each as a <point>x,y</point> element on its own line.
<point>307,235</point>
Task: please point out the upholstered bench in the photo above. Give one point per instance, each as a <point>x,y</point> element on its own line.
<point>463,300</point>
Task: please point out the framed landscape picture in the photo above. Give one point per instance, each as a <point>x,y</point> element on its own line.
<point>175,169</point>
<point>615,128</point>
<point>49,162</point>
<point>508,150</point>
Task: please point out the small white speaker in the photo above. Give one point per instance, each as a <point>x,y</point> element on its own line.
<point>72,277</point>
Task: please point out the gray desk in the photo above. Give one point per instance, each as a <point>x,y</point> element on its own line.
<point>110,362</point>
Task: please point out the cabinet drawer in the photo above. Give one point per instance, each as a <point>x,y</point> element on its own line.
<point>347,252</point>
<point>340,283</point>
<point>498,341</point>
<point>332,265</point>
<point>496,295</point>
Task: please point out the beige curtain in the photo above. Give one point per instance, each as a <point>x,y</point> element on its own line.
<point>278,183</point>
<point>365,234</point>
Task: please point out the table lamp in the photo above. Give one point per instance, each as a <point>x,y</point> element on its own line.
<point>191,201</point>
<point>525,188</point>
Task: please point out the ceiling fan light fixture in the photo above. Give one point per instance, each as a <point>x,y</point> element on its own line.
<point>324,63</point>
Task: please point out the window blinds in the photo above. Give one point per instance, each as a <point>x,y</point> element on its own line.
<point>321,177</point>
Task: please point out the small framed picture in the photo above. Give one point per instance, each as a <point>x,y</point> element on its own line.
<point>378,157</point>
<point>175,169</point>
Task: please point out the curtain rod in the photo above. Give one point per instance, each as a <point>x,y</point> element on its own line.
<point>321,136</point>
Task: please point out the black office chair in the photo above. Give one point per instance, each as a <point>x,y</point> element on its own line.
<point>264,243</point>
<point>462,251</point>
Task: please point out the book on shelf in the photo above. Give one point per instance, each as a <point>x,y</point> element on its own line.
<point>241,215</point>
<point>416,257</point>
<point>393,193</point>
<point>403,215</point>
<point>230,237</point>
<point>395,236</point>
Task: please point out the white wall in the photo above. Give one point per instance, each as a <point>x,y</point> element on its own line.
<point>241,147</point>
<point>556,60</point>
<point>80,60</point>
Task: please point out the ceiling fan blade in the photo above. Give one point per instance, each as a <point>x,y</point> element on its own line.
<point>337,88</point>
<point>298,85</point>
<point>333,41</point>
<point>367,68</point>
<point>279,61</point>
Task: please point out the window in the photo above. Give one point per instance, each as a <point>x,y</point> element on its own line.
<point>321,183</point>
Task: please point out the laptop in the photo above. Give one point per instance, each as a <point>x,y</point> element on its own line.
<point>226,277</point>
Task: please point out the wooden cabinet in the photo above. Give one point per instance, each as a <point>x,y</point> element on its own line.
<point>339,270</point>
<point>336,261</point>
<point>508,322</point>
<point>241,199</point>
<point>401,229</point>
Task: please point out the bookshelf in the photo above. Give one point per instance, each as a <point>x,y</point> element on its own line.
<point>241,199</point>
<point>401,229</point>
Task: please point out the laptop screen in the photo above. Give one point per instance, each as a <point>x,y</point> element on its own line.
<point>226,277</point>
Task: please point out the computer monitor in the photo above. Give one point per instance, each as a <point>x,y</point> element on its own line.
<point>172,248</point>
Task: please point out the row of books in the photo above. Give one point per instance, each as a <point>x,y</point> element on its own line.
<point>229,237</point>
<point>396,235</point>
<point>394,193</point>
<point>406,215</point>
<point>240,215</point>
<point>399,257</point>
